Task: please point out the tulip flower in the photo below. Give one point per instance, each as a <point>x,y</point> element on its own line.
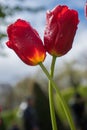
<point>26,42</point>
<point>61,26</point>
<point>86,9</point>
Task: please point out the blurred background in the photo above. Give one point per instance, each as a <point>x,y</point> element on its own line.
<point>17,80</point>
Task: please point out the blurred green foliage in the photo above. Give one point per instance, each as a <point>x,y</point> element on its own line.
<point>68,93</point>
<point>42,106</point>
<point>9,117</point>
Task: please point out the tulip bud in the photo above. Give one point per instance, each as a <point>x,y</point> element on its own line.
<point>25,41</point>
<point>61,26</point>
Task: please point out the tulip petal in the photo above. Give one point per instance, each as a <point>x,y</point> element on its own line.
<point>26,42</point>
<point>61,26</point>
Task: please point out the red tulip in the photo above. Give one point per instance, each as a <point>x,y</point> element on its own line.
<point>25,41</point>
<point>86,9</point>
<point>61,26</point>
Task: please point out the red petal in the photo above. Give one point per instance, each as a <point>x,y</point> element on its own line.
<point>86,9</point>
<point>25,41</point>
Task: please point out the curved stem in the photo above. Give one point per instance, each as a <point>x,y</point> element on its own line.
<point>51,102</point>
<point>62,101</point>
<point>53,66</point>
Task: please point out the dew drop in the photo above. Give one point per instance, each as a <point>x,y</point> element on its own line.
<point>61,35</point>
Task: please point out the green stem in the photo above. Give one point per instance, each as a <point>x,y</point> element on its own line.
<point>62,101</point>
<point>52,66</point>
<point>51,102</point>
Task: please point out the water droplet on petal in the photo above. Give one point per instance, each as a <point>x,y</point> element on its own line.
<point>61,35</point>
